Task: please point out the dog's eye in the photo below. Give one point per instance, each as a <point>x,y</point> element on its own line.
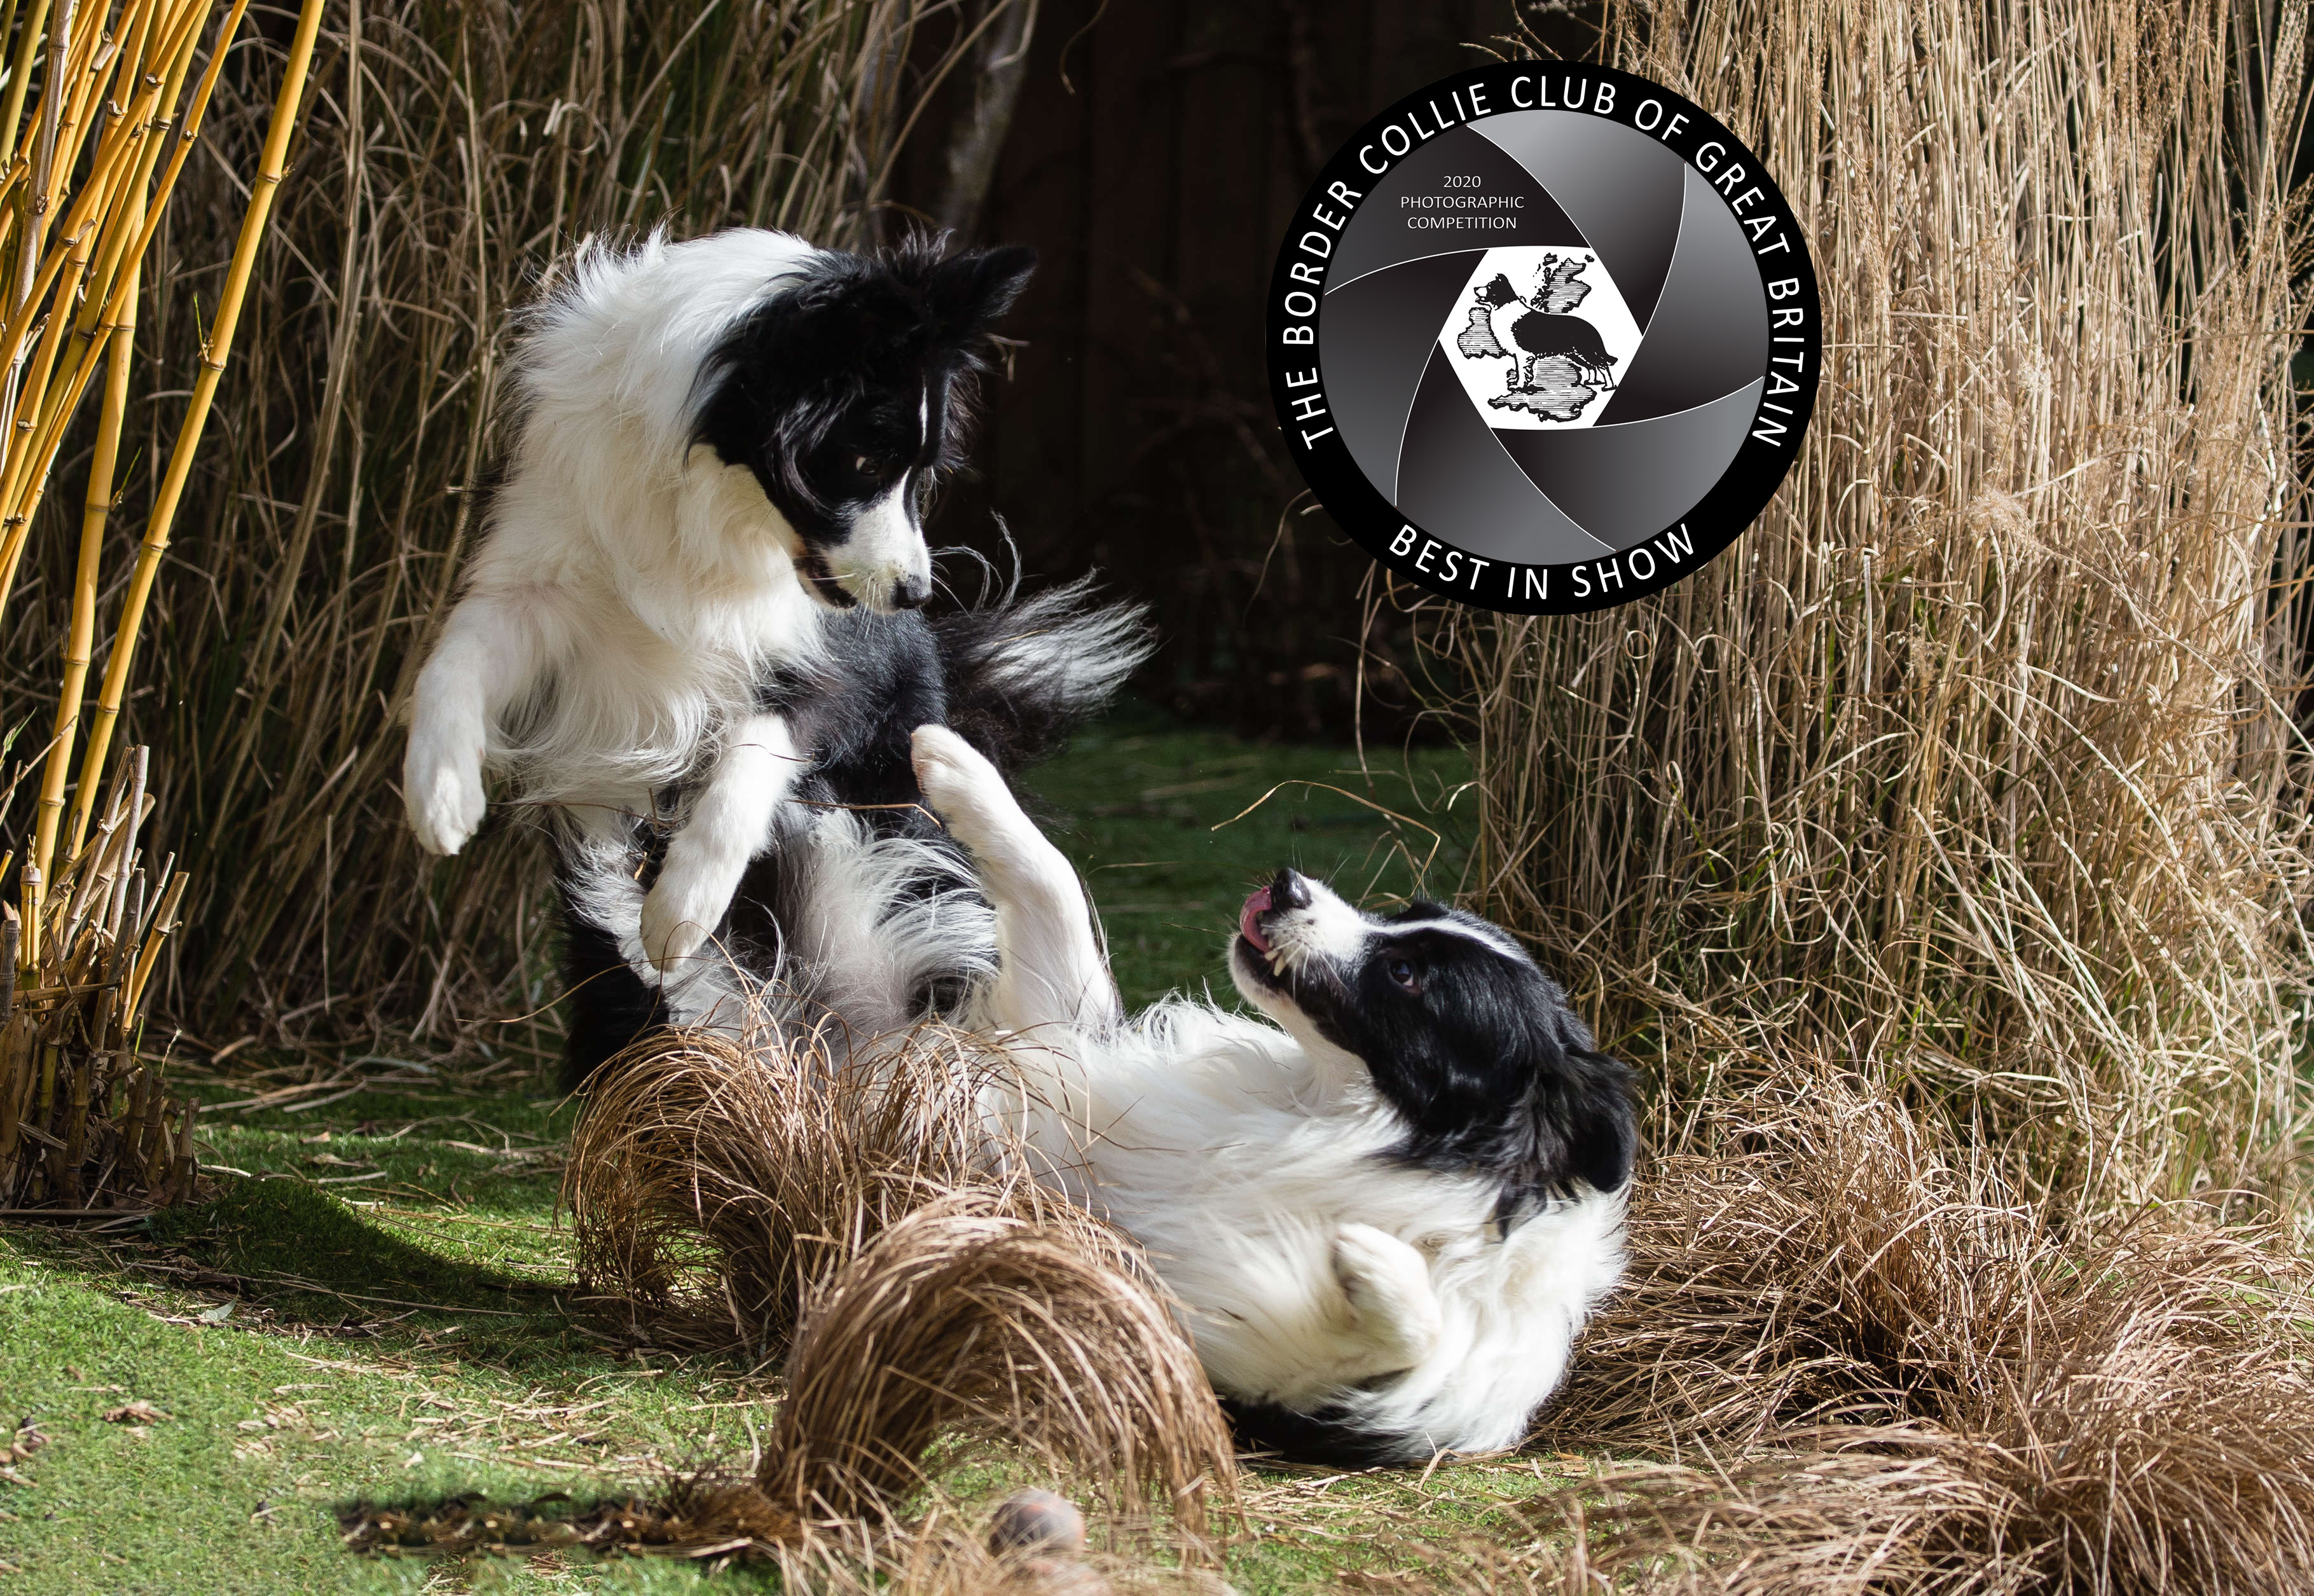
<point>1403,971</point>
<point>867,466</point>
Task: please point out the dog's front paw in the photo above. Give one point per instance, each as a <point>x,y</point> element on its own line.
<point>444,796</point>
<point>1388,1283</point>
<point>681,910</point>
<point>960,785</point>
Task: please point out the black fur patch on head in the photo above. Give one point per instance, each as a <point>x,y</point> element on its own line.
<point>1477,1052</point>
<point>838,386</point>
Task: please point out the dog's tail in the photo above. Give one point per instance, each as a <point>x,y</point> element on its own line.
<point>1025,671</point>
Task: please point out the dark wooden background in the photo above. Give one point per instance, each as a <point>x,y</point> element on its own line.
<point>1154,157</point>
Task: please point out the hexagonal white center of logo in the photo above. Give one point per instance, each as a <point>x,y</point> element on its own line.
<point>1538,338</point>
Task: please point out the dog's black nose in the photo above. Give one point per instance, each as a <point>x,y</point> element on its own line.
<point>1289,891</point>
<point>912,594</point>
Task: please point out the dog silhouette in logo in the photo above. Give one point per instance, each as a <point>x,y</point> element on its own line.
<point>1553,355</point>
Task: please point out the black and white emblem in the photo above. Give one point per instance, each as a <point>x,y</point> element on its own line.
<point>1554,352</point>
<point>1544,337</point>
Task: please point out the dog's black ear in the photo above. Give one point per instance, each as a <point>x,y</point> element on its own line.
<point>971,289</point>
<point>1602,1135</point>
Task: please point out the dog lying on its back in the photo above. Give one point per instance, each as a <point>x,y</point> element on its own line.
<point>1388,1214</point>
<point>700,578</point>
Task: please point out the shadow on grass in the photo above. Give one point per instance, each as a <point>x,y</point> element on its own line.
<point>280,1256</point>
<point>315,1251</point>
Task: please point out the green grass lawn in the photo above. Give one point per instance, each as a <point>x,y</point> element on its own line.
<point>378,1305</point>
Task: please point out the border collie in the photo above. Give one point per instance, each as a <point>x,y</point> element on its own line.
<point>862,917</point>
<point>694,605</point>
<point>1389,1213</point>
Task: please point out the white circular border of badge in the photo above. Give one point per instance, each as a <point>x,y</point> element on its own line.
<point>1544,337</point>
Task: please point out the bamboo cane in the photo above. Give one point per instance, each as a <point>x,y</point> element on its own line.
<point>11,110</point>
<point>131,134</point>
<point>37,199</point>
<point>95,508</point>
<point>213,353</point>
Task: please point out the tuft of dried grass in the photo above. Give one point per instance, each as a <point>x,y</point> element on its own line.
<point>1973,758</point>
<point>726,1193</point>
<point>716,1184</point>
<point>1870,1362</point>
<point>965,1320</point>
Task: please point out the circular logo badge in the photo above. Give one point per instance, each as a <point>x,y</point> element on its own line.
<point>1544,337</point>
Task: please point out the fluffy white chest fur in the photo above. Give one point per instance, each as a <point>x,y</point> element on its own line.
<point>1317,1271</point>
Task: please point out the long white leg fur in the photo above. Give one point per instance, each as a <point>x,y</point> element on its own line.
<point>1049,968</point>
<point>730,821</point>
<point>488,656</point>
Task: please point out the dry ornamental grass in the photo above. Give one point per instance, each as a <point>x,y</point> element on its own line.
<point>851,1218</point>
<point>1975,759</point>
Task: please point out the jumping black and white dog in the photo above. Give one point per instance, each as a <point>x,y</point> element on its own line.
<point>1389,1212</point>
<point>690,629</point>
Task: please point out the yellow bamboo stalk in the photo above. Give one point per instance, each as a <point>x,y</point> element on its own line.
<point>16,327</point>
<point>22,426</point>
<point>155,205</point>
<point>11,110</point>
<point>215,350</point>
<point>182,148</point>
<point>164,921</point>
<point>28,949</point>
<point>96,507</point>
<point>93,70</point>
<point>54,93</point>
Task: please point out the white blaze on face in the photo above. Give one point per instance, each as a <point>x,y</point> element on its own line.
<point>886,551</point>
<point>1329,931</point>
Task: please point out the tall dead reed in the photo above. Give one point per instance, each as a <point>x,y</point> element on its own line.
<point>847,1216</point>
<point>1972,760</point>
<point>451,156</point>
<point>85,1121</point>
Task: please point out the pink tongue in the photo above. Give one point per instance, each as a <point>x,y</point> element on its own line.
<point>1250,921</point>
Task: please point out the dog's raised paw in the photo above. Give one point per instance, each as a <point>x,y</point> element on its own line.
<point>444,800</point>
<point>679,911</point>
<point>958,783</point>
